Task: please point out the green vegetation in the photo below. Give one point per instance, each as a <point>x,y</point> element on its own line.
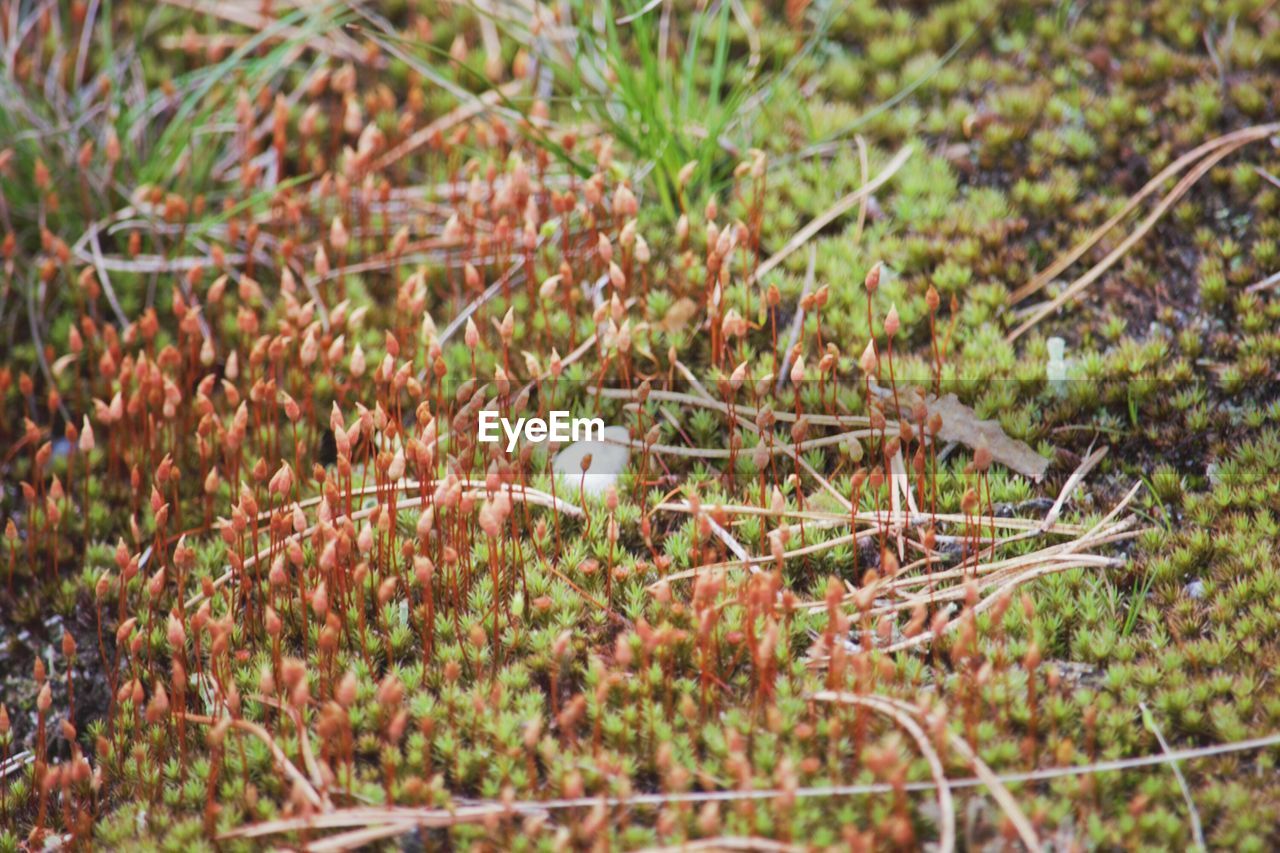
<point>876,575</point>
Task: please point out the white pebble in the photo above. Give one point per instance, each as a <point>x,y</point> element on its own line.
<point>608,461</point>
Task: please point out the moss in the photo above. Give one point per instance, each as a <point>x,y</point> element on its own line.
<point>1036,128</point>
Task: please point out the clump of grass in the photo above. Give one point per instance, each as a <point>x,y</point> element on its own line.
<point>672,91</point>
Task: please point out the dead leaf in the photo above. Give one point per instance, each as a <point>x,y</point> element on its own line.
<point>961,424</point>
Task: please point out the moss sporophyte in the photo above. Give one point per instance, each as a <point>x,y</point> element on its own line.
<point>639,425</point>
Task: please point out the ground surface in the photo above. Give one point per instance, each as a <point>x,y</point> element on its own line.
<point>261,586</point>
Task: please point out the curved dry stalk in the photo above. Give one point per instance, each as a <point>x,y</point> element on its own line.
<point>308,756</point>
<point>1197,830</point>
<point>753,40</point>
<point>336,45</point>
<point>822,521</point>
<point>1003,576</point>
<point>728,842</point>
<point>752,562</point>
<point>904,518</point>
<point>946,809</point>
<point>976,781</point>
<point>1077,477</point>
<point>1095,272</point>
<point>16,762</point>
<point>813,515</point>
<point>792,450</point>
<point>929,635</point>
<point>1006,580</point>
<point>1065,260</point>
<point>983,772</point>
<point>357,839</point>
<point>104,278</point>
<point>364,815</point>
<point>276,752</point>
<point>732,544</point>
<point>462,113</point>
<point>989,573</point>
<point>1063,550</point>
<point>864,167</point>
<point>832,213</point>
<point>426,249</point>
<point>908,600</point>
<point>1265,284</point>
<point>518,492</point>
<point>368,817</point>
<point>998,791</point>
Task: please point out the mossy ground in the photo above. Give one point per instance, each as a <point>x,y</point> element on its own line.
<point>542,663</point>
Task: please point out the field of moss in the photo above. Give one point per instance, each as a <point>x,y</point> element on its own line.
<point>946,338</point>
